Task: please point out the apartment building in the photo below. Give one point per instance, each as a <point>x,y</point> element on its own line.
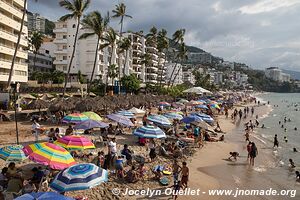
<point>43,62</point>
<point>36,22</point>
<point>276,74</point>
<point>188,76</point>
<point>169,70</point>
<point>10,21</point>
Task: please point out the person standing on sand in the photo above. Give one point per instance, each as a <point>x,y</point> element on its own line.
<point>253,153</point>
<point>249,149</point>
<point>36,130</point>
<point>152,147</point>
<point>276,143</point>
<point>185,175</point>
<point>176,170</point>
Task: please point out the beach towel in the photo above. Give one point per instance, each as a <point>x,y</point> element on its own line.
<point>164,181</point>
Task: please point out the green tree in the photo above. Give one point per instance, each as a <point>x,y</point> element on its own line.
<point>112,73</point>
<point>76,9</point>
<point>36,41</point>
<point>109,38</point>
<point>57,77</point>
<point>162,47</point>
<point>131,83</point>
<point>120,12</point>
<point>17,45</point>
<point>97,25</point>
<point>124,46</point>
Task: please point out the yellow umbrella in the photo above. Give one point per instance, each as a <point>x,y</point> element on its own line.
<point>93,116</point>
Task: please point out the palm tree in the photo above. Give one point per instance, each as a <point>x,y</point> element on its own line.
<point>112,73</point>
<point>162,46</point>
<point>95,23</point>
<point>120,11</point>
<point>146,60</point>
<point>110,38</point>
<point>182,56</point>
<point>124,45</point>
<point>152,37</point>
<point>178,38</point>
<point>76,8</point>
<point>17,45</point>
<point>36,42</point>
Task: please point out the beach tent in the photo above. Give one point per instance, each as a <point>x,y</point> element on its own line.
<point>197,90</point>
<point>79,177</point>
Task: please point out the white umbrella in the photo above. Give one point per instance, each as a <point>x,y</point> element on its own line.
<point>197,90</point>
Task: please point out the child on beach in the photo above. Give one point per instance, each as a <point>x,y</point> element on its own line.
<point>185,175</point>
<point>233,155</point>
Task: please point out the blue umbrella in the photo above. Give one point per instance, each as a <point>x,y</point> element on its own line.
<point>120,119</point>
<point>126,113</point>
<point>191,118</point>
<point>201,100</point>
<point>43,196</point>
<point>159,120</point>
<point>149,132</point>
<point>79,177</point>
<point>202,106</point>
<point>204,117</point>
<point>89,124</point>
<point>173,115</point>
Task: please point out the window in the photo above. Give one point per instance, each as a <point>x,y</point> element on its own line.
<point>74,26</point>
<point>65,68</point>
<point>65,47</point>
<point>64,57</point>
<point>64,36</point>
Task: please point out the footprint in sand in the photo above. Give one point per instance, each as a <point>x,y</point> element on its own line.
<point>236,179</point>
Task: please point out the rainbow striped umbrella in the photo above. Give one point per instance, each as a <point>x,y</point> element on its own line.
<point>75,142</point>
<point>92,116</point>
<point>79,177</point>
<point>75,118</point>
<point>12,153</point>
<point>50,155</point>
<point>215,106</point>
<point>149,132</point>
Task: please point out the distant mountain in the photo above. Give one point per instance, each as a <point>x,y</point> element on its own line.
<point>294,74</point>
<point>189,48</point>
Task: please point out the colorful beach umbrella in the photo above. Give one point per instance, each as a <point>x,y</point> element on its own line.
<point>191,118</point>
<point>159,120</point>
<point>120,119</point>
<point>202,106</point>
<point>149,132</point>
<point>12,153</point>
<point>79,177</point>
<point>89,124</point>
<point>165,104</point>
<point>93,116</point>
<point>173,115</point>
<point>208,119</point>
<point>50,155</point>
<point>183,101</point>
<point>75,118</point>
<point>215,106</point>
<point>194,103</point>
<point>43,196</point>
<point>125,113</point>
<point>75,142</point>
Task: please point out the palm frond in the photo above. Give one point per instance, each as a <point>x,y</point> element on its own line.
<point>86,35</point>
<point>66,17</point>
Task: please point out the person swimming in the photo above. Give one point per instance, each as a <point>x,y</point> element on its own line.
<point>295,150</point>
<point>282,126</point>
<point>292,164</point>
<point>263,126</point>
<point>297,175</point>
<point>285,139</point>
<point>295,128</point>
<point>284,129</point>
<point>279,122</point>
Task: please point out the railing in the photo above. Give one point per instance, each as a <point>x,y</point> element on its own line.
<point>12,5</point>
<point>12,47</point>
<point>10,33</point>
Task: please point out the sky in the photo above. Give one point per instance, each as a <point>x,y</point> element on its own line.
<point>260,33</point>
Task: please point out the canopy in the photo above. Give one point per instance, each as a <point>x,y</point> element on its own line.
<point>75,142</point>
<point>75,118</point>
<point>93,116</point>
<point>136,111</point>
<point>12,153</point>
<point>50,155</point>
<point>197,90</point>
<point>159,120</point>
<point>89,124</point>
<point>149,132</point>
<point>79,177</point>
<point>191,118</point>
<point>125,113</point>
<point>43,196</point>
<point>120,119</point>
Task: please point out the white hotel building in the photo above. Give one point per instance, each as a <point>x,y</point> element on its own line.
<point>85,54</point>
<point>10,22</point>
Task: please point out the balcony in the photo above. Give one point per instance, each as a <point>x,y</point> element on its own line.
<point>6,64</point>
<point>12,23</point>
<point>9,50</point>
<point>60,62</point>
<point>151,81</point>
<point>10,8</point>
<point>60,41</point>
<point>19,2</point>
<point>12,37</point>
<point>60,30</point>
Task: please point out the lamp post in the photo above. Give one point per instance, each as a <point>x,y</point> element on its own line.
<point>15,87</point>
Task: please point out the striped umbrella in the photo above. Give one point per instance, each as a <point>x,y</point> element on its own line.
<point>215,106</point>
<point>79,177</point>
<point>43,196</point>
<point>93,116</point>
<point>120,119</point>
<point>173,115</point>
<point>75,142</point>
<point>126,113</point>
<point>50,155</point>
<point>202,106</point>
<point>12,153</point>
<point>149,132</point>
<point>89,124</point>
<point>191,118</point>
<point>159,120</point>
<point>208,119</point>
<point>75,118</point>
